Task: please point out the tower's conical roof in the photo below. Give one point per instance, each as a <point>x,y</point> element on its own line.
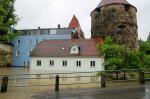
<point>109,2</point>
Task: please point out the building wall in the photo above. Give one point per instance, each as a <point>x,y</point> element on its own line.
<point>118,21</point>
<point>27,43</point>
<point>71,64</point>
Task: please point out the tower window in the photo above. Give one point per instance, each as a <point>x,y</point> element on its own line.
<point>127,7</point>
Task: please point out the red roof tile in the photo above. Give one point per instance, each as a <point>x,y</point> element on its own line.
<point>74,23</point>
<point>61,48</point>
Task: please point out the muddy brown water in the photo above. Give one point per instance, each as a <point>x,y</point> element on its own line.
<point>24,88</point>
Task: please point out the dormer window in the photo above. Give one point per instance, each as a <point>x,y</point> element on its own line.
<point>75,49</point>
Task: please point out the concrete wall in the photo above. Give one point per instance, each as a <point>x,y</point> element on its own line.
<point>71,64</point>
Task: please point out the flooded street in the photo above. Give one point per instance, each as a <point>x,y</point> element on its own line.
<point>41,85</point>
<point>140,92</point>
<point>23,86</point>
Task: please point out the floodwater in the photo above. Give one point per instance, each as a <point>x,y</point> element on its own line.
<point>24,86</point>
<point>140,92</point>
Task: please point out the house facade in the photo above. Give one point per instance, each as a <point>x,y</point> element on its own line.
<point>67,56</point>
<point>24,44</point>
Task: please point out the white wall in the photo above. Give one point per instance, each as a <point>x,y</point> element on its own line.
<point>71,64</point>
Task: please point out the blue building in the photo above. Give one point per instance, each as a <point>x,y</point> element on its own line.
<point>24,44</point>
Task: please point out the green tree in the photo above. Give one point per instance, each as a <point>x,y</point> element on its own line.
<point>119,56</point>
<point>148,39</point>
<point>7,16</point>
<point>144,47</point>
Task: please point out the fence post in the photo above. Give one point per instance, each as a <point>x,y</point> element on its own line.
<point>4,84</point>
<point>124,75</point>
<point>57,83</point>
<point>141,77</point>
<point>103,80</point>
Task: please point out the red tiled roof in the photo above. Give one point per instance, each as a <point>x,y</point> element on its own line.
<point>108,2</point>
<point>74,23</point>
<point>61,48</point>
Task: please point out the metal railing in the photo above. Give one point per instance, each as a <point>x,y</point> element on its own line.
<point>105,77</point>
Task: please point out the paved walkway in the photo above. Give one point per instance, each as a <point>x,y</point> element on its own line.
<point>140,92</point>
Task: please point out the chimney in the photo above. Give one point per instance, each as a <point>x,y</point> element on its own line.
<point>39,28</point>
<point>58,26</point>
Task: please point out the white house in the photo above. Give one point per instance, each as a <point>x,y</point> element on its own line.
<point>77,55</point>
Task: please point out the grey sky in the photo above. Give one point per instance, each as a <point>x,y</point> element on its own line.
<point>49,13</point>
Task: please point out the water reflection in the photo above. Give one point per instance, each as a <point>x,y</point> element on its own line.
<point>147,92</point>
<point>26,92</point>
<point>48,79</point>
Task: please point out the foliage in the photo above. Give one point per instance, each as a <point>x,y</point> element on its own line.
<point>8,37</point>
<point>148,39</point>
<point>146,61</point>
<point>119,56</point>
<point>7,16</point>
<point>145,47</point>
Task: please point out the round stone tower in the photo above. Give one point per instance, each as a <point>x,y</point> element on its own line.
<point>115,18</point>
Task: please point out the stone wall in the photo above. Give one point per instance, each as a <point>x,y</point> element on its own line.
<point>5,55</point>
<point>118,21</point>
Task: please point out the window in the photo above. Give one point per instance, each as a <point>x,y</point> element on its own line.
<point>64,63</point>
<point>17,53</point>
<point>24,63</point>
<point>30,41</point>
<point>78,63</point>
<point>74,49</point>
<point>38,63</point>
<point>53,32</point>
<point>51,63</point>
<point>46,32</point>
<point>18,42</point>
<point>29,52</point>
<point>32,32</point>
<point>28,63</point>
<point>37,41</point>
<point>92,63</point>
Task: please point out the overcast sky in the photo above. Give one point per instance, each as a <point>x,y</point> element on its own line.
<point>49,13</point>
